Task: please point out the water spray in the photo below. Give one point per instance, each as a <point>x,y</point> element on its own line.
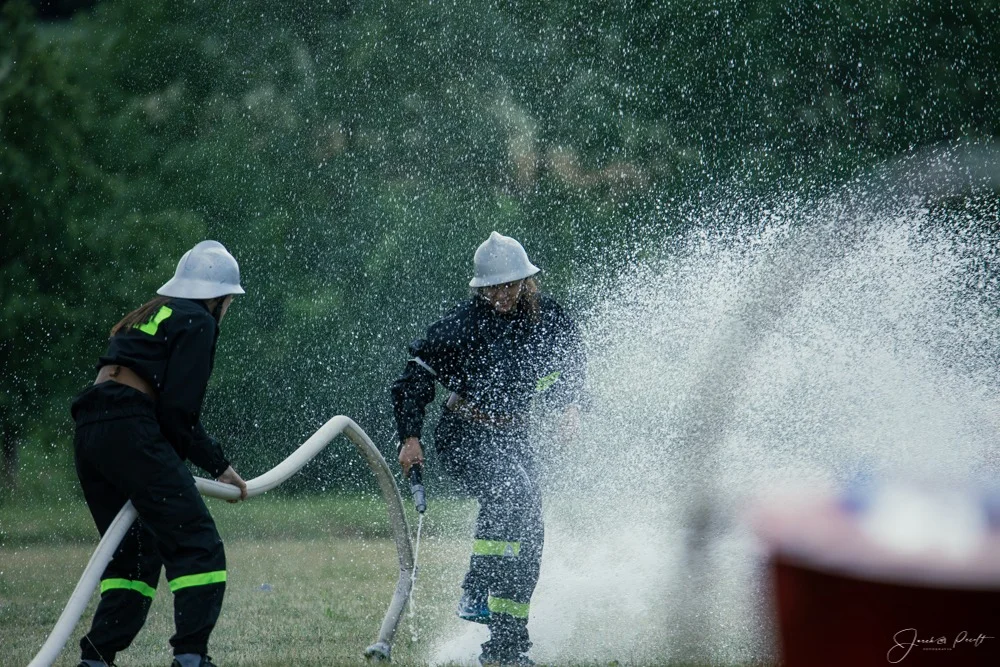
<point>800,341</point>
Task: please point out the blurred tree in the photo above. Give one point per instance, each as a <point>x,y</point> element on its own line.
<point>353,153</point>
<point>70,259</point>
<point>59,9</point>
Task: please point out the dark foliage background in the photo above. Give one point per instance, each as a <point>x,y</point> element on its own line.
<point>352,154</point>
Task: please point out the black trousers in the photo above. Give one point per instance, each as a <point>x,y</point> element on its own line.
<point>122,455</point>
<point>491,464</point>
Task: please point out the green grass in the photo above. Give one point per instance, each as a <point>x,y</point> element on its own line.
<point>66,520</point>
<point>328,562</point>
<point>326,601</point>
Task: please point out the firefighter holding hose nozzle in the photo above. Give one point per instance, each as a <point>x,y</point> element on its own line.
<point>506,349</point>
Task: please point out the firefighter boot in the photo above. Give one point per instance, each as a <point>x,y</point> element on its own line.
<point>508,644</point>
<point>473,607</point>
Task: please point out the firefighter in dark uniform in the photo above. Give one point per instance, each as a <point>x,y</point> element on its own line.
<point>135,426</point>
<point>506,349</point>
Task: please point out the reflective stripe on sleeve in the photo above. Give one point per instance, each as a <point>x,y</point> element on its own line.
<point>547,381</point>
<point>203,579</point>
<point>128,585</point>
<point>423,364</point>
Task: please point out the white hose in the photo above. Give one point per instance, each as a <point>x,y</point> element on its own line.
<point>296,460</point>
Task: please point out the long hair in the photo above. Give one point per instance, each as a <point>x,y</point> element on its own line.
<point>140,315</point>
<point>530,302</point>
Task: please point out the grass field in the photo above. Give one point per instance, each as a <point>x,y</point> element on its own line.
<point>309,583</point>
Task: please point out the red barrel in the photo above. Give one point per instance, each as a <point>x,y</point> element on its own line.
<point>846,598</point>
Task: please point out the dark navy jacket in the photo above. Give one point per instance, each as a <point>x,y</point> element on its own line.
<point>500,363</point>
<point>175,351</point>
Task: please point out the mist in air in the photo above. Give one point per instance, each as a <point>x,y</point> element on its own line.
<point>792,343</point>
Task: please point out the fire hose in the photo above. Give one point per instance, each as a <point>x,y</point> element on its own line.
<point>381,649</point>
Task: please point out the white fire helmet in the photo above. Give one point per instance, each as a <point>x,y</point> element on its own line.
<point>206,271</point>
<point>500,259</point>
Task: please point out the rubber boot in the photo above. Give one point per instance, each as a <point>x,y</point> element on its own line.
<point>508,644</point>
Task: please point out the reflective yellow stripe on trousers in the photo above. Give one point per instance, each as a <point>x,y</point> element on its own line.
<point>509,607</point>
<point>495,548</point>
<point>202,579</point>
<point>128,585</point>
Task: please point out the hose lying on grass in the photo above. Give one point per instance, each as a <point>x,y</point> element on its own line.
<point>381,649</point>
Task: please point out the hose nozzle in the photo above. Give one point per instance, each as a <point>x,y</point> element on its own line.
<point>417,488</point>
